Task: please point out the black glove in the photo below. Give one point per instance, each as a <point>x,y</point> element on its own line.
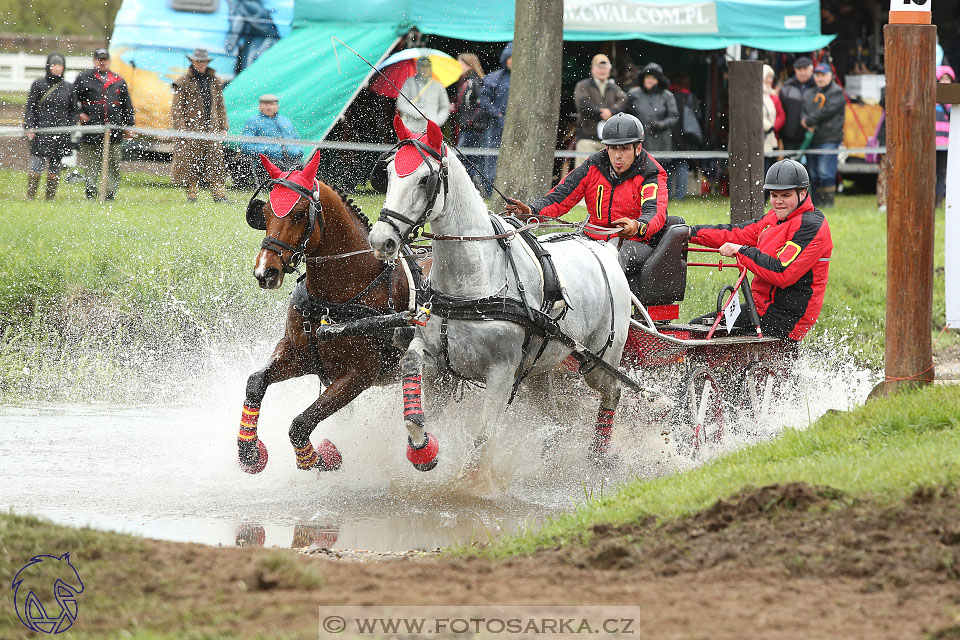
<point>692,230</point>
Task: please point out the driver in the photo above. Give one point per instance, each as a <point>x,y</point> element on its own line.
<point>625,189</point>
<point>788,251</point>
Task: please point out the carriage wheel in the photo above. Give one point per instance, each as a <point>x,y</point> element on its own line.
<point>760,386</point>
<point>700,414</point>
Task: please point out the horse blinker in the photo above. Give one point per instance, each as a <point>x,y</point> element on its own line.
<point>255,216</point>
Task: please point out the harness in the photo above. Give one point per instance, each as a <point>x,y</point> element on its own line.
<point>257,220</point>
<point>436,180</point>
<point>500,306</point>
<point>314,310</point>
<point>318,314</point>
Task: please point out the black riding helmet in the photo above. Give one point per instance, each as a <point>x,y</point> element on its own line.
<point>786,174</point>
<point>622,128</point>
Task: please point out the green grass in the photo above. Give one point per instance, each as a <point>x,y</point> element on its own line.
<point>883,450</point>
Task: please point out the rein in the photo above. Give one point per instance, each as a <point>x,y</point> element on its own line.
<point>498,236</point>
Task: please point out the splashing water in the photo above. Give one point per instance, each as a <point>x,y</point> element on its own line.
<point>167,468</point>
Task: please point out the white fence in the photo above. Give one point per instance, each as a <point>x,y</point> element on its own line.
<point>19,70</point>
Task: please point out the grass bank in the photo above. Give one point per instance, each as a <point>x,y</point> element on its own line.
<point>882,451</point>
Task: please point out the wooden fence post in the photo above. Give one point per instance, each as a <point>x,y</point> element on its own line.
<point>104,164</point>
<point>911,174</point>
<point>746,140</point>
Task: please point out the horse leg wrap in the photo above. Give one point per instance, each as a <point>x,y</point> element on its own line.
<point>601,439</point>
<point>325,457</point>
<point>252,452</point>
<point>412,400</point>
<point>306,457</point>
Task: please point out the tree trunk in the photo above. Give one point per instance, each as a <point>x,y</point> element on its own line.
<point>525,168</point>
<point>746,140</point>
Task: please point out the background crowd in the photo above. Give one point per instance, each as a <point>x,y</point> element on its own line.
<point>803,115</point>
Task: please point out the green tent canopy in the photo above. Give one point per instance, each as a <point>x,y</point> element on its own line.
<point>315,85</point>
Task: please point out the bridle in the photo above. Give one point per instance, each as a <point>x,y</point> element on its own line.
<point>435,181</point>
<point>257,220</point>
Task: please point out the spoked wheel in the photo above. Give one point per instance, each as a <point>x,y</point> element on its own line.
<point>700,413</point>
<point>760,388</point>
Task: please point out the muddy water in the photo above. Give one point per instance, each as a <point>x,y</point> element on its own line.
<point>169,470</point>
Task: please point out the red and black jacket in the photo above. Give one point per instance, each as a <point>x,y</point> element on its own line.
<point>105,98</point>
<point>790,260</point>
<point>639,193</point>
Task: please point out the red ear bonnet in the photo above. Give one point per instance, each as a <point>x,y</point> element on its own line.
<point>283,199</point>
<point>407,159</point>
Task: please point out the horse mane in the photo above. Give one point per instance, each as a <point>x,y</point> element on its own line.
<point>352,207</point>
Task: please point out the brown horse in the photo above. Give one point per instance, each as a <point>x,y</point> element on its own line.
<point>307,221</point>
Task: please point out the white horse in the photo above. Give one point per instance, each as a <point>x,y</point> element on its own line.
<point>426,183</point>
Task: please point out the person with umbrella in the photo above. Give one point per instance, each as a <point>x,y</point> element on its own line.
<point>429,96</point>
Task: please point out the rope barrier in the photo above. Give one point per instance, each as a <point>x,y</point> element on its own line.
<point>174,134</point>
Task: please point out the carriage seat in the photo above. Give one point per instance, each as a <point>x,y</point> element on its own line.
<point>663,275</point>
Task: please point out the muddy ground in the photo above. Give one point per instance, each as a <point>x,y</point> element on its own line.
<point>787,561</point>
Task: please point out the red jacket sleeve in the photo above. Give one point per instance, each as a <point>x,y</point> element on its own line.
<point>810,243</point>
<point>653,203</point>
<point>564,196</point>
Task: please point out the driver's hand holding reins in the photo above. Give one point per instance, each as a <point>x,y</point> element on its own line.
<point>628,226</point>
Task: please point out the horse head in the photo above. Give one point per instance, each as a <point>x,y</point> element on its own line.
<point>292,217</point>
<point>417,169</point>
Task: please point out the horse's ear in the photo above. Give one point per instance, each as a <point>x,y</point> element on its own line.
<point>271,169</point>
<point>434,135</point>
<point>402,132</point>
<point>310,171</point>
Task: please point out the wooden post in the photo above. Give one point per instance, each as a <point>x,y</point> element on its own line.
<point>911,175</point>
<point>104,165</point>
<point>746,140</point>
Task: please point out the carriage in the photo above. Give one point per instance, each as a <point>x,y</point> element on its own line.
<point>714,377</point>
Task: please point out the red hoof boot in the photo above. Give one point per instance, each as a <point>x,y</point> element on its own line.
<point>328,456</point>
<point>257,464</point>
<point>423,457</point>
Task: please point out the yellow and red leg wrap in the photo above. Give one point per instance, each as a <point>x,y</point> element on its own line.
<point>248,423</point>
<point>306,456</point>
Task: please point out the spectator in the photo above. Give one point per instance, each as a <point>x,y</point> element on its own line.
<point>944,74</point>
<point>50,103</point>
<point>493,99</point>
<point>198,106</point>
<point>791,97</point>
<point>270,124</point>
<point>427,94</point>
<point>654,105</point>
<point>469,116</point>
<point>687,133</point>
<point>823,114</point>
<point>773,115</point>
<point>881,141</point>
<point>597,98</point>
<point>104,99</point>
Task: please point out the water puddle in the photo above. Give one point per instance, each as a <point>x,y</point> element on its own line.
<point>169,471</point>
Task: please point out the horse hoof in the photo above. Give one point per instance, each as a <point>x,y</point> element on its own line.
<point>260,463</point>
<point>424,457</point>
<point>328,456</point>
